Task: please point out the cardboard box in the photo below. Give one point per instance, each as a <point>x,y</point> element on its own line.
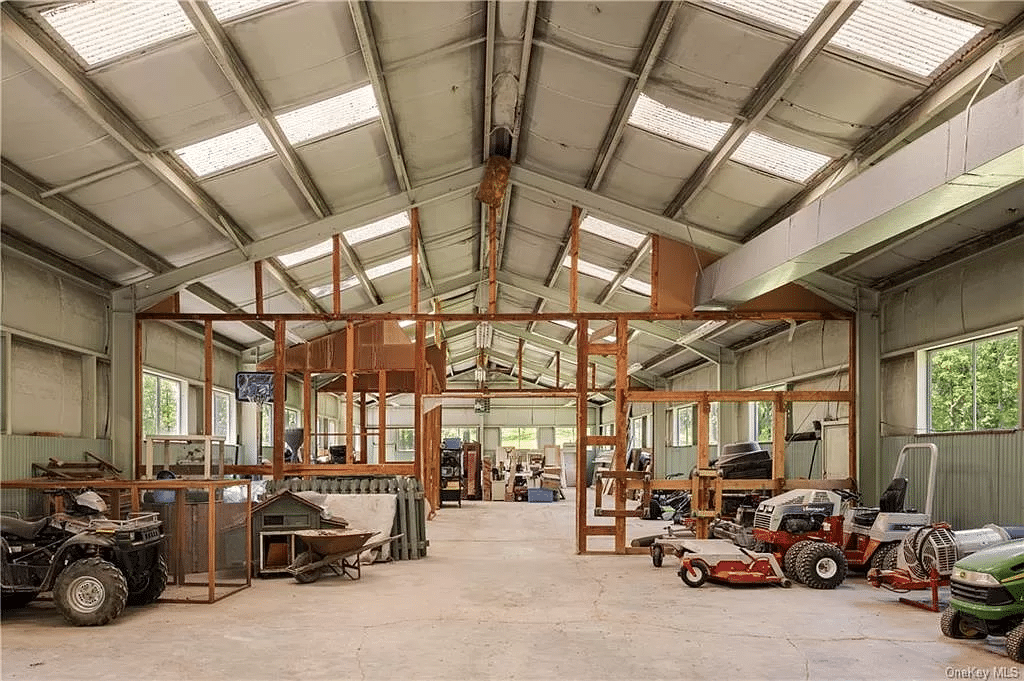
<point>497,490</point>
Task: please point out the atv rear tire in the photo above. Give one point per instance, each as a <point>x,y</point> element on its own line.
<point>18,599</point>
<point>696,575</point>
<point>90,592</point>
<point>1015,643</point>
<point>822,566</point>
<point>953,626</point>
<point>791,560</point>
<point>156,582</point>
<point>884,557</point>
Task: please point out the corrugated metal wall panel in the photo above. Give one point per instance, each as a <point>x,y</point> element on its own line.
<point>19,452</point>
<point>979,480</point>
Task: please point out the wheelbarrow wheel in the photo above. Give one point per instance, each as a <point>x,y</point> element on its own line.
<point>308,576</point>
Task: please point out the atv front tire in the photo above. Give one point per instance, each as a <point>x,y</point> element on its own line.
<point>90,592</point>
<point>156,582</point>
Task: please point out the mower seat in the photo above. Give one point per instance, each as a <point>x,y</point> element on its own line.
<point>893,497</point>
<point>22,528</point>
<point>865,517</point>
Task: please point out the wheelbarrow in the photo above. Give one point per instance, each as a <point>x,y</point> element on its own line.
<point>337,550</point>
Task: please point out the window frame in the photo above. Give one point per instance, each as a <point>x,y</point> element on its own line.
<point>754,415</point>
<point>519,437</point>
<point>232,410</point>
<point>182,413</point>
<point>924,368</point>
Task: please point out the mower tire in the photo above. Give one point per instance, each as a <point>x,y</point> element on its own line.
<point>657,555</point>
<point>791,560</point>
<point>1015,643</point>
<point>696,575</point>
<point>953,626</point>
<point>822,566</point>
<point>884,557</point>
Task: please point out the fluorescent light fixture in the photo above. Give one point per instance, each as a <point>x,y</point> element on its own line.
<point>306,254</point>
<point>377,229</point>
<point>907,36</point>
<point>619,235</point>
<point>701,331</point>
<point>654,117</point>
<point>103,29</point>
<point>389,267</point>
<point>329,115</point>
<point>229,9</point>
<point>779,158</point>
<point>796,15</point>
<point>328,289</point>
<point>484,335</point>
<point>479,375</point>
<point>224,151</point>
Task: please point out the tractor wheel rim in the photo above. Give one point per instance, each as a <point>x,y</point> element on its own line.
<point>86,594</point>
<point>826,568</point>
<point>693,573</point>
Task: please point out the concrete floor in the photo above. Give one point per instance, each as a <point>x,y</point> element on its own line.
<point>502,596</point>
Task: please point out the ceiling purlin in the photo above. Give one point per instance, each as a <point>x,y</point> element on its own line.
<point>368,47</point>
<point>653,44</point>
<point>70,214</point>
<point>773,85</point>
<point>242,82</point>
<point>950,86</point>
<point>50,60</point>
<point>628,269</point>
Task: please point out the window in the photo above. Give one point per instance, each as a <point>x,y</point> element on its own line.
<point>162,408</point>
<point>975,385</point>
<point>520,438</point>
<point>291,420</point>
<point>464,434</point>
<point>763,418</point>
<point>638,432</point>
<point>565,436</point>
<point>683,427</point>
<point>224,415</point>
<point>405,440</point>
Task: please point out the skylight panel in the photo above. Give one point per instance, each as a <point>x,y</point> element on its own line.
<point>389,267</point>
<point>306,254</point>
<point>377,229</point>
<point>229,9</point>
<point>637,286</point>
<point>329,115</point>
<point>591,269</point>
<point>565,323</point>
<point>619,235</point>
<point>779,158</point>
<point>796,15</point>
<point>653,117</point>
<point>904,35</point>
<point>225,151</point>
<point>103,29</point>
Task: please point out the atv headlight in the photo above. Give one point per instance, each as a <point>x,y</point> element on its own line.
<point>972,577</point>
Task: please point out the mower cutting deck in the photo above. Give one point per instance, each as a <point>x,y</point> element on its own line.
<point>722,561</point>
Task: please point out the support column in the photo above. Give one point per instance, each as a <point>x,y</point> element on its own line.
<point>89,392</point>
<point>866,419</point>
<point>122,381</point>
<point>279,393</point>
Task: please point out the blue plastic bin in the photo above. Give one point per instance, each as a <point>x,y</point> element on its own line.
<point>540,495</point>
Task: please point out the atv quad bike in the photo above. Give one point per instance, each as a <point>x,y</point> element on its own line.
<point>987,597</point>
<point>93,566</point>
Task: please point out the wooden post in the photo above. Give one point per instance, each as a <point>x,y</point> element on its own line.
<point>363,436</point>
<point>581,436</point>
<point>138,398</point>
<point>851,422</point>
<point>414,237</point>
<point>350,381</point>
<point>703,456</point>
<point>593,375</point>
<point>492,260</point>
<point>336,272</point>
<point>418,432</point>
<point>779,443</point>
<point>279,392</point>
<point>520,362</point>
<point>257,268</point>
<point>621,428</point>
<point>307,414</point>
<point>208,383</point>
<point>558,369</point>
<point>382,419</point>
<point>655,240</point>
<point>211,544</point>
<point>574,256</point>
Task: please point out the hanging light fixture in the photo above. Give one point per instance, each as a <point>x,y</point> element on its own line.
<point>484,333</point>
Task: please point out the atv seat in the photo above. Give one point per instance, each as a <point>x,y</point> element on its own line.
<point>22,528</point>
<point>893,497</point>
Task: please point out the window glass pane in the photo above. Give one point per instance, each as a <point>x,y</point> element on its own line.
<point>149,404</point>
<point>291,418</point>
<point>169,403</point>
<point>998,382</point>
<point>222,414</point>
<point>267,425</point>
<point>406,440</point>
<point>565,436</point>
<point>763,419</point>
<point>520,438</point>
<point>684,426</point>
<point>713,424</point>
<point>951,390</point>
